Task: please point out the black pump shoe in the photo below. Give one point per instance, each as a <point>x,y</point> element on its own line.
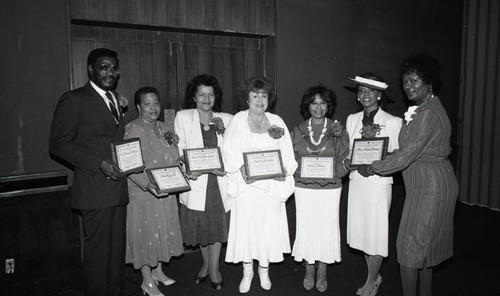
<point>200,279</point>
<point>218,286</point>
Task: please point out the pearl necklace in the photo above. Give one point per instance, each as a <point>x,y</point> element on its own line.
<point>311,133</point>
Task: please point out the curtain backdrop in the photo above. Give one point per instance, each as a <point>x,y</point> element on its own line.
<point>479,164</point>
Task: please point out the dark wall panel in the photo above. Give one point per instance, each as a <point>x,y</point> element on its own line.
<point>35,64</point>
<point>315,44</point>
<point>327,41</point>
<point>241,16</point>
<point>168,60</point>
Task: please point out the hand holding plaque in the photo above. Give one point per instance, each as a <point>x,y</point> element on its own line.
<point>366,151</point>
<point>168,179</point>
<point>203,160</point>
<point>315,168</point>
<point>127,154</point>
<point>262,165</point>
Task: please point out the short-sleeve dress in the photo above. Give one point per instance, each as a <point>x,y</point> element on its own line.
<point>425,236</point>
<point>153,230</point>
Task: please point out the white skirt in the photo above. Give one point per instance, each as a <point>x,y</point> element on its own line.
<point>258,229</point>
<point>368,216</point>
<point>318,232</point>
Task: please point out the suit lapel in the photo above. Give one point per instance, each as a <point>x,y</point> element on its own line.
<point>99,106</point>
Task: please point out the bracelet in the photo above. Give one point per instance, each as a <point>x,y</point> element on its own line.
<point>343,165</point>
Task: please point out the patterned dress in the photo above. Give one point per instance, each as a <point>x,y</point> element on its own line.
<point>425,236</point>
<point>153,230</point>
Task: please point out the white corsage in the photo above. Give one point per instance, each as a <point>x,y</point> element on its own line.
<point>412,110</point>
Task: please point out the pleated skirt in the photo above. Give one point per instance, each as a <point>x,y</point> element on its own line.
<point>258,229</point>
<point>317,225</point>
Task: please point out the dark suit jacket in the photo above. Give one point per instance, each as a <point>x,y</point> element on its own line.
<point>81,133</point>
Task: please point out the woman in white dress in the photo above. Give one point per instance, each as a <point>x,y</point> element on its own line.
<point>369,198</point>
<point>258,226</point>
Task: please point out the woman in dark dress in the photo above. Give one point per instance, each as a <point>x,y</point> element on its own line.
<point>425,236</point>
<point>204,209</point>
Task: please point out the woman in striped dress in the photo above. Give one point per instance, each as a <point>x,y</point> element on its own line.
<point>425,236</point>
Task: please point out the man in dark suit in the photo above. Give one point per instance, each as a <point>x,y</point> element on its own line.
<point>86,121</point>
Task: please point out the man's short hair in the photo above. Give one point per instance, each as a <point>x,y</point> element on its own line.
<point>97,53</point>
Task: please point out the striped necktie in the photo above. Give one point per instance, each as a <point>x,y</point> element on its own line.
<point>112,107</point>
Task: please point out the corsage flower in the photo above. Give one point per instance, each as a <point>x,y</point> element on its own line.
<point>412,110</point>
<point>219,125</point>
<point>335,130</point>
<point>371,130</point>
<point>123,102</point>
<point>276,132</point>
<point>171,138</point>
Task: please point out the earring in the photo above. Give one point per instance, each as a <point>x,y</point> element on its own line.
<point>378,98</point>
<point>359,100</point>
<point>430,89</point>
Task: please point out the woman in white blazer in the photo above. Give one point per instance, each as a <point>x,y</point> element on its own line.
<point>369,198</point>
<point>204,209</point>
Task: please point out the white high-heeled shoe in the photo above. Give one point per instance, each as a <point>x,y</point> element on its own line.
<point>246,281</point>
<point>151,289</point>
<point>265,281</point>
<point>165,281</point>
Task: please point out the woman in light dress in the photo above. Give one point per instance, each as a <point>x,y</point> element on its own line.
<point>259,227</point>
<point>369,198</point>
<point>153,230</point>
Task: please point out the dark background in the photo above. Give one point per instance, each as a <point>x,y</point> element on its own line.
<point>295,43</point>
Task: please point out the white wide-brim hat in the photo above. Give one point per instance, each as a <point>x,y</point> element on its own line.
<point>369,83</point>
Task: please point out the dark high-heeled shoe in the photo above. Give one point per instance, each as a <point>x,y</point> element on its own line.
<point>218,286</point>
<point>200,279</point>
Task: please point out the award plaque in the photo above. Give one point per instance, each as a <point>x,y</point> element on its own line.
<point>262,165</point>
<point>366,151</point>
<point>316,167</point>
<point>127,154</point>
<point>168,179</point>
<point>203,160</point>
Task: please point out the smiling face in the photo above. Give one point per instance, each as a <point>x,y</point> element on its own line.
<point>368,97</point>
<point>415,88</point>
<point>318,108</point>
<point>150,107</point>
<point>104,73</point>
<point>258,102</point>
<point>204,98</point>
